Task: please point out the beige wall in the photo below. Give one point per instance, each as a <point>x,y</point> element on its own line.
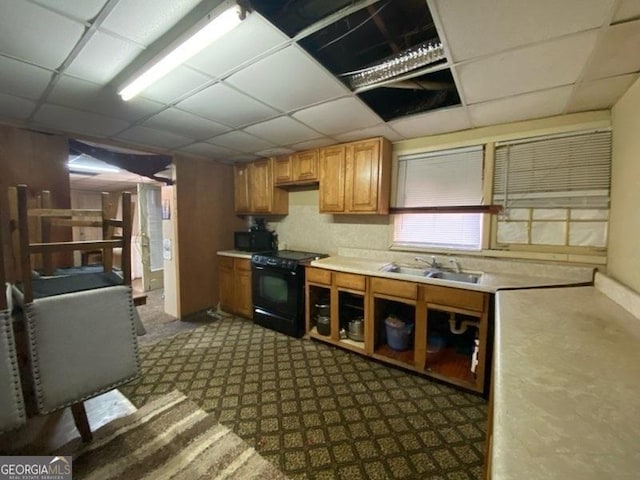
<point>308,230</point>
<point>624,226</point>
<point>205,224</point>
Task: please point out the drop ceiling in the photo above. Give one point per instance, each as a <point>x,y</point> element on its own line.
<point>262,90</point>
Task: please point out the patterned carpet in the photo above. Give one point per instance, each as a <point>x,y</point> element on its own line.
<point>315,411</point>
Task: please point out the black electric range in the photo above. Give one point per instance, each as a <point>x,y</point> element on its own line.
<point>278,289</point>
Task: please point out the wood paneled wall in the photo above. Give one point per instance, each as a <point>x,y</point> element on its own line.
<point>205,224</point>
<point>39,161</point>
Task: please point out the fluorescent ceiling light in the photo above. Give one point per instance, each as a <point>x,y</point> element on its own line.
<point>87,164</point>
<point>213,30</point>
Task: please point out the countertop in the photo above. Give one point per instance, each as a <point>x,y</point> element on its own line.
<point>235,253</point>
<point>489,282</point>
<point>566,386</point>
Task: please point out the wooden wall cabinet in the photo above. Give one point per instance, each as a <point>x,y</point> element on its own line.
<point>356,177</point>
<point>235,286</point>
<point>255,190</point>
<point>299,168</point>
<point>448,322</point>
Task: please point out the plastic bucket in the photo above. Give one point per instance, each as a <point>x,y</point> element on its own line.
<point>398,336</point>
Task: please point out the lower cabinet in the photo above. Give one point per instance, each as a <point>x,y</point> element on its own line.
<point>437,331</point>
<point>235,286</point>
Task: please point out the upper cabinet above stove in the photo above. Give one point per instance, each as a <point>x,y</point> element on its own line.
<point>255,191</point>
<point>300,168</point>
<point>355,177</point>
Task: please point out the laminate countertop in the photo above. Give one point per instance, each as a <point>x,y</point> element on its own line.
<point>235,254</point>
<point>489,281</point>
<point>566,386</point>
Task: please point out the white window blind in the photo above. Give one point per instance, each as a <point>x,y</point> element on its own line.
<point>440,179</point>
<point>444,178</point>
<point>566,171</point>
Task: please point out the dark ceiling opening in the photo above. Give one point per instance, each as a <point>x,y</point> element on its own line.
<point>393,44</point>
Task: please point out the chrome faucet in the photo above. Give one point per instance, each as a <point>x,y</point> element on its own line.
<point>433,263</point>
<point>456,264</point>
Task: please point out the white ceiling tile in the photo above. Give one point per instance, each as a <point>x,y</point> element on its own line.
<point>22,79</point>
<point>84,95</point>
<point>14,107</point>
<point>282,131</point>
<point>152,137</point>
<point>338,116</point>
<point>242,158</point>
<point>225,105</point>
<point>616,52</point>
<point>33,33</point>
<point>274,152</point>
<point>241,142</point>
<point>208,150</point>
<point>102,58</point>
<point>627,10</point>
<point>550,64</point>
<point>377,131</point>
<point>84,10</point>
<point>600,94</point>
<point>288,80</point>
<point>253,37</point>
<point>187,124</point>
<point>477,28</point>
<point>144,21</point>
<point>521,107</point>
<point>432,123</point>
<point>75,121</point>
<point>175,84</point>
<point>315,143</point>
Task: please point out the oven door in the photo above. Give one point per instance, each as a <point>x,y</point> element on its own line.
<point>277,291</point>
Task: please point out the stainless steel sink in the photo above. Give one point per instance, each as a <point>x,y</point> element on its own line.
<point>395,268</point>
<point>455,276</point>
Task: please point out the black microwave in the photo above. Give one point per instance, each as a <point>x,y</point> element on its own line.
<point>254,241</point>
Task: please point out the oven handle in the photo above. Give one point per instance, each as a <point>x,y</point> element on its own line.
<point>289,272</point>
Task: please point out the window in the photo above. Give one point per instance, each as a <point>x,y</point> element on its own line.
<point>447,178</point>
<point>555,191</point>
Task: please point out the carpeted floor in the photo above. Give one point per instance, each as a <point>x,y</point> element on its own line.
<point>315,411</point>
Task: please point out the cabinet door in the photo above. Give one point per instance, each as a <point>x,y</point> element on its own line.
<point>226,283</point>
<point>305,166</point>
<point>363,176</point>
<point>242,203</point>
<point>332,179</point>
<point>242,288</point>
<point>261,186</point>
<point>283,172</point>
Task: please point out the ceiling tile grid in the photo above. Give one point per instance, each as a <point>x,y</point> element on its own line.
<point>15,107</point>
<point>159,16</point>
<point>288,80</point>
<point>93,97</point>
<point>338,116</point>
<point>103,57</point>
<point>223,104</point>
<point>75,121</point>
<point>185,123</point>
<point>526,69</point>
<point>252,38</point>
<point>35,34</point>
<point>149,136</point>
<point>282,131</point>
<point>257,92</point>
<point>544,103</point>
<point>241,142</point>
